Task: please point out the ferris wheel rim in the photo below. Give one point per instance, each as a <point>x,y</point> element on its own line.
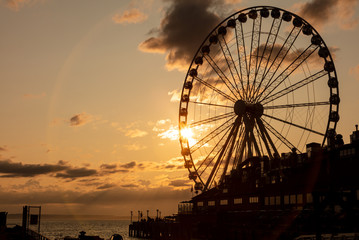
<point>247,10</point>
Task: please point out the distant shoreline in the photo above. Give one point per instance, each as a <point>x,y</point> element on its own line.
<point>72,217</point>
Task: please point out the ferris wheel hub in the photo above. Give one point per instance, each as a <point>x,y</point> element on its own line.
<point>242,107</point>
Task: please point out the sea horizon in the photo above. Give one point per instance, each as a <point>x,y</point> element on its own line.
<point>16,216</point>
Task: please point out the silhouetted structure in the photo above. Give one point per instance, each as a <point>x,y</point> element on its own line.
<point>313,193</point>
<point>22,232</point>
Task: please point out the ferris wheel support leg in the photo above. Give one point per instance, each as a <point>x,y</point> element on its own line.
<point>265,141</point>
<point>266,136</point>
<point>233,141</point>
<point>214,169</point>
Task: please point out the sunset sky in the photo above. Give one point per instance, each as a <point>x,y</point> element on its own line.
<point>89,89</point>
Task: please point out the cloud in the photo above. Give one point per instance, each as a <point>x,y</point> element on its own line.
<point>76,173</point>
<point>135,133</point>
<point>3,149</point>
<point>175,95</point>
<point>123,199</point>
<point>15,5</point>
<point>129,185</point>
<point>106,186</point>
<point>11,169</point>
<point>80,119</point>
<point>128,165</point>
<point>180,183</point>
<point>34,96</point>
<point>62,169</point>
<point>133,15</point>
<point>179,36</point>
<point>135,147</point>
<point>108,166</point>
<point>322,12</point>
<point>354,71</point>
<point>166,130</point>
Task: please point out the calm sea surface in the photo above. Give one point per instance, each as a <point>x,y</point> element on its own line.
<point>58,229</point>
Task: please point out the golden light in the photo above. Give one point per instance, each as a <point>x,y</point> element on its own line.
<point>186,133</point>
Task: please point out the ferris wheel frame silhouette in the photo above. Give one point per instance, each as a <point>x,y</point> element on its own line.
<point>263,81</point>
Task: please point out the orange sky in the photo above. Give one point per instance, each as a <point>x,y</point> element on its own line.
<point>89,104</point>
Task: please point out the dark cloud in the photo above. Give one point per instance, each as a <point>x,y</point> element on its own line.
<point>131,185</point>
<point>171,166</point>
<point>185,25</point>
<point>106,186</point>
<point>320,12</point>
<point>76,173</point>
<point>108,166</point>
<point>11,169</point>
<point>80,119</point>
<point>145,182</point>
<point>180,183</point>
<point>129,165</point>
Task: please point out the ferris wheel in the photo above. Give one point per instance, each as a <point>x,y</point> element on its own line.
<point>263,82</point>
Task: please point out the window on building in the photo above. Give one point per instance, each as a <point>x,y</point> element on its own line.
<point>253,200</point>
<point>293,199</point>
<point>266,200</point>
<point>286,199</point>
<point>224,202</point>
<point>272,200</point>
<point>225,190</point>
<point>300,198</point>
<point>199,204</point>
<point>238,201</point>
<point>211,203</point>
<point>309,198</point>
<point>277,200</point>
<point>273,179</point>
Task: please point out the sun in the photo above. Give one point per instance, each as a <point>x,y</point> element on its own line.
<point>186,134</point>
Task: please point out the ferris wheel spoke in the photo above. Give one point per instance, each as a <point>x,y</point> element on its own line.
<point>311,104</point>
<point>230,63</point>
<point>211,119</point>
<point>222,76</point>
<point>295,125</point>
<point>277,61</point>
<point>289,70</point>
<point>210,104</point>
<point>270,42</point>
<point>255,143</point>
<point>279,135</point>
<point>215,89</point>
<point>222,153</point>
<point>238,146</point>
<point>256,38</point>
<point>241,51</point>
<point>259,139</point>
<point>211,135</point>
<point>210,155</point>
<point>267,140</point>
<point>295,86</point>
<point>256,27</point>
<point>264,140</point>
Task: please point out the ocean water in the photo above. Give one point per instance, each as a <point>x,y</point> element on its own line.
<point>58,229</point>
